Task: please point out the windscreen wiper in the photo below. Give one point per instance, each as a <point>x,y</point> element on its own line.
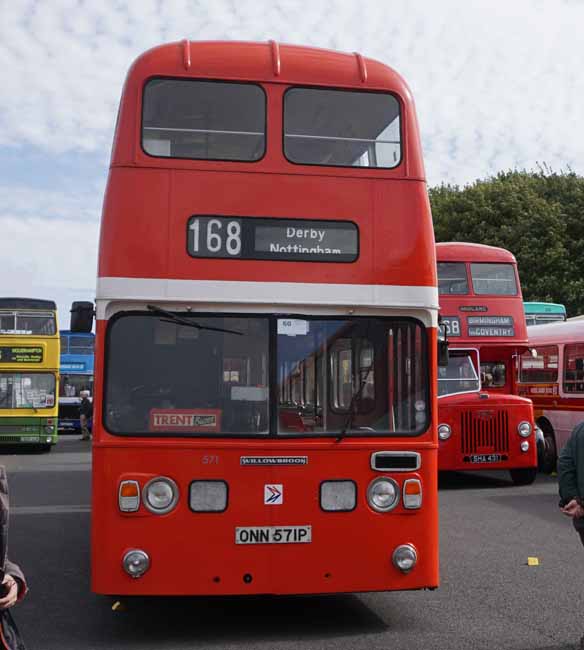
<point>356,396</point>
<point>169,317</point>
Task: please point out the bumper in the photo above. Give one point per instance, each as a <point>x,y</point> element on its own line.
<point>28,431</point>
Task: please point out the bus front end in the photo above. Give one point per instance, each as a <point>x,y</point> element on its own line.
<point>273,471</point>
<point>29,355</point>
<point>485,431</point>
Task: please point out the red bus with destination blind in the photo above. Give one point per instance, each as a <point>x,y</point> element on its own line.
<point>267,306</point>
<point>551,374</point>
<point>483,423</point>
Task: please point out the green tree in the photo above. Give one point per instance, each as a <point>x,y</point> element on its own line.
<point>537,215</point>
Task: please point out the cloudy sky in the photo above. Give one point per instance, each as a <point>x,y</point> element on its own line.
<point>498,84</point>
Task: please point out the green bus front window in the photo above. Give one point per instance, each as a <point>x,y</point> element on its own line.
<point>35,390</point>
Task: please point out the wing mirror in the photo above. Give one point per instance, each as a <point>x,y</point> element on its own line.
<point>443,356</point>
<point>82,313</point>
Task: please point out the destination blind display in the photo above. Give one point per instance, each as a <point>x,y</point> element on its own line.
<point>21,354</point>
<point>254,238</point>
<point>498,326</point>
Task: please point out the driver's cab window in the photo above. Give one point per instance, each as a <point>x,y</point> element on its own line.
<point>460,375</point>
<point>493,374</point>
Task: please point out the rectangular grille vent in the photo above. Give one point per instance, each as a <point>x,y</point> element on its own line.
<point>484,434</point>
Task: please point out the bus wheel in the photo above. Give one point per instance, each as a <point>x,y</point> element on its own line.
<point>523,476</point>
<point>549,456</point>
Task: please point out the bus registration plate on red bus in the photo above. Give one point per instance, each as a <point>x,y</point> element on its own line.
<point>485,458</point>
<point>273,535</point>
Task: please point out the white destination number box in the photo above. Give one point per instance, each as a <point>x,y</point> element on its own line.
<point>273,535</point>
<point>268,238</point>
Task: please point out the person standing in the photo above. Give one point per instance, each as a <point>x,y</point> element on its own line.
<point>12,582</point>
<point>85,414</point>
<point>571,479</point>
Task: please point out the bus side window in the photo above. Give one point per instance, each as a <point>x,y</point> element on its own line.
<point>574,368</point>
<point>579,375</point>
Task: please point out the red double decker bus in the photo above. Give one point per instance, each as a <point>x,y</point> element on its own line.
<point>483,423</point>
<point>265,392</point>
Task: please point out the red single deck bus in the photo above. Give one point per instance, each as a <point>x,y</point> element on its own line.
<point>483,424</point>
<point>265,392</point>
<point>551,374</point>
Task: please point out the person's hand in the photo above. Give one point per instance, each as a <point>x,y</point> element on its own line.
<point>12,592</point>
<point>573,509</point>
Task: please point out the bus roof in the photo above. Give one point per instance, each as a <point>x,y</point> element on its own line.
<point>559,332</point>
<point>27,303</point>
<point>467,252</point>
<point>544,308</point>
<point>267,61</point>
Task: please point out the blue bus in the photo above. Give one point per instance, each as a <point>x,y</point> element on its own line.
<point>76,376</point>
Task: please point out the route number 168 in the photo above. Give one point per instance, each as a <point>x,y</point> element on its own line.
<point>211,237</point>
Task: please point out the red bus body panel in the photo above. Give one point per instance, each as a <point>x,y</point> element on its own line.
<point>143,238</point>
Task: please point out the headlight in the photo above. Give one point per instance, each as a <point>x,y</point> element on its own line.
<point>404,558</point>
<point>208,496</point>
<point>136,563</point>
<point>524,446</point>
<point>49,428</point>
<point>338,496</point>
<point>444,431</point>
<point>524,429</point>
<point>383,494</point>
<point>160,495</point>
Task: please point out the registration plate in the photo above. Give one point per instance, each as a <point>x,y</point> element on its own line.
<point>273,535</point>
<point>486,458</point>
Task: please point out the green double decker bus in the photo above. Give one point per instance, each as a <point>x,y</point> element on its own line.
<point>539,313</point>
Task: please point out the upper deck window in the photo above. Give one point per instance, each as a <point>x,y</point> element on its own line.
<point>493,279</point>
<point>21,322</point>
<point>81,345</point>
<point>204,120</point>
<point>452,278</point>
<point>341,128</point>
